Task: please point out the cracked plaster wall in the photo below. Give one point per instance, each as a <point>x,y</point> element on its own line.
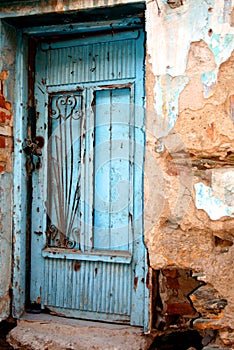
<point>30,7</point>
<point>189,169</point>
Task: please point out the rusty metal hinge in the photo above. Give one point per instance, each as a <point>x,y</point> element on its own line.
<point>33,150</point>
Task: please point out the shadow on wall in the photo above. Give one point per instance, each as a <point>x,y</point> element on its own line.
<point>173,309</point>
<point>5,327</point>
<point>188,340</point>
<point>186,311</point>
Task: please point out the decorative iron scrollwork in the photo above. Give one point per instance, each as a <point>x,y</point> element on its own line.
<point>67,106</point>
<point>64,174</point>
<point>58,239</point>
<point>33,150</point>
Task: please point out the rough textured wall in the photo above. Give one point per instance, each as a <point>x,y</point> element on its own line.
<point>6,145</point>
<point>189,215</point>
<point>31,7</point>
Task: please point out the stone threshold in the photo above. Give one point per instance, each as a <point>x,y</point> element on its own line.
<point>48,332</point>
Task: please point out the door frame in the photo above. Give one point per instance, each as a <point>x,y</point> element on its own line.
<point>20,178</point>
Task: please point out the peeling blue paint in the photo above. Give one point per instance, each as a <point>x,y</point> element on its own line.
<point>208,79</point>
<point>5,243</point>
<point>215,207</point>
<point>168,90</point>
<point>221,46</point>
<point>220,17</point>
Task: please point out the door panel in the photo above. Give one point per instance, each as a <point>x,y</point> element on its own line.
<point>88,255</point>
<point>93,59</point>
<point>113,171</point>
<point>64,170</point>
<point>87,291</point>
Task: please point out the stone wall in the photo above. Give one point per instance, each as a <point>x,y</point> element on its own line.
<point>190,154</point>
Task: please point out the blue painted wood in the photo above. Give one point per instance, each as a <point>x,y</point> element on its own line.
<point>20,180</point>
<point>39,190</point>
<point>115,256</point>
<point>78,28</point>
<point>113,185</point>
<point>88,259</point>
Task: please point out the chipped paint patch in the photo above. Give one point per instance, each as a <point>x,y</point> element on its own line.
<point>217,200</point>
<point>5,246</point>
<point>209,80</point>
<point>221,45</point>
<point>167,90</point>
<point>170,48</point>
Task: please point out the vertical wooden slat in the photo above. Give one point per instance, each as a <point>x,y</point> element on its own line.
<point>89,291</point>
<point>101,171</point>
<point>95,62</point>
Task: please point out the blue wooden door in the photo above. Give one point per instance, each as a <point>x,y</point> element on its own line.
<point>88,255</point>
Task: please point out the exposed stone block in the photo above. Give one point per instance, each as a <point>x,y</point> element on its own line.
<point>208,302</point>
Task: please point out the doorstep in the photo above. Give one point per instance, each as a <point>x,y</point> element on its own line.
<point>47,332</point>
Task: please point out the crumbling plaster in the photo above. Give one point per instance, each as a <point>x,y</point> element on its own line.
<point>169,37</point>
<point>190,139</point>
